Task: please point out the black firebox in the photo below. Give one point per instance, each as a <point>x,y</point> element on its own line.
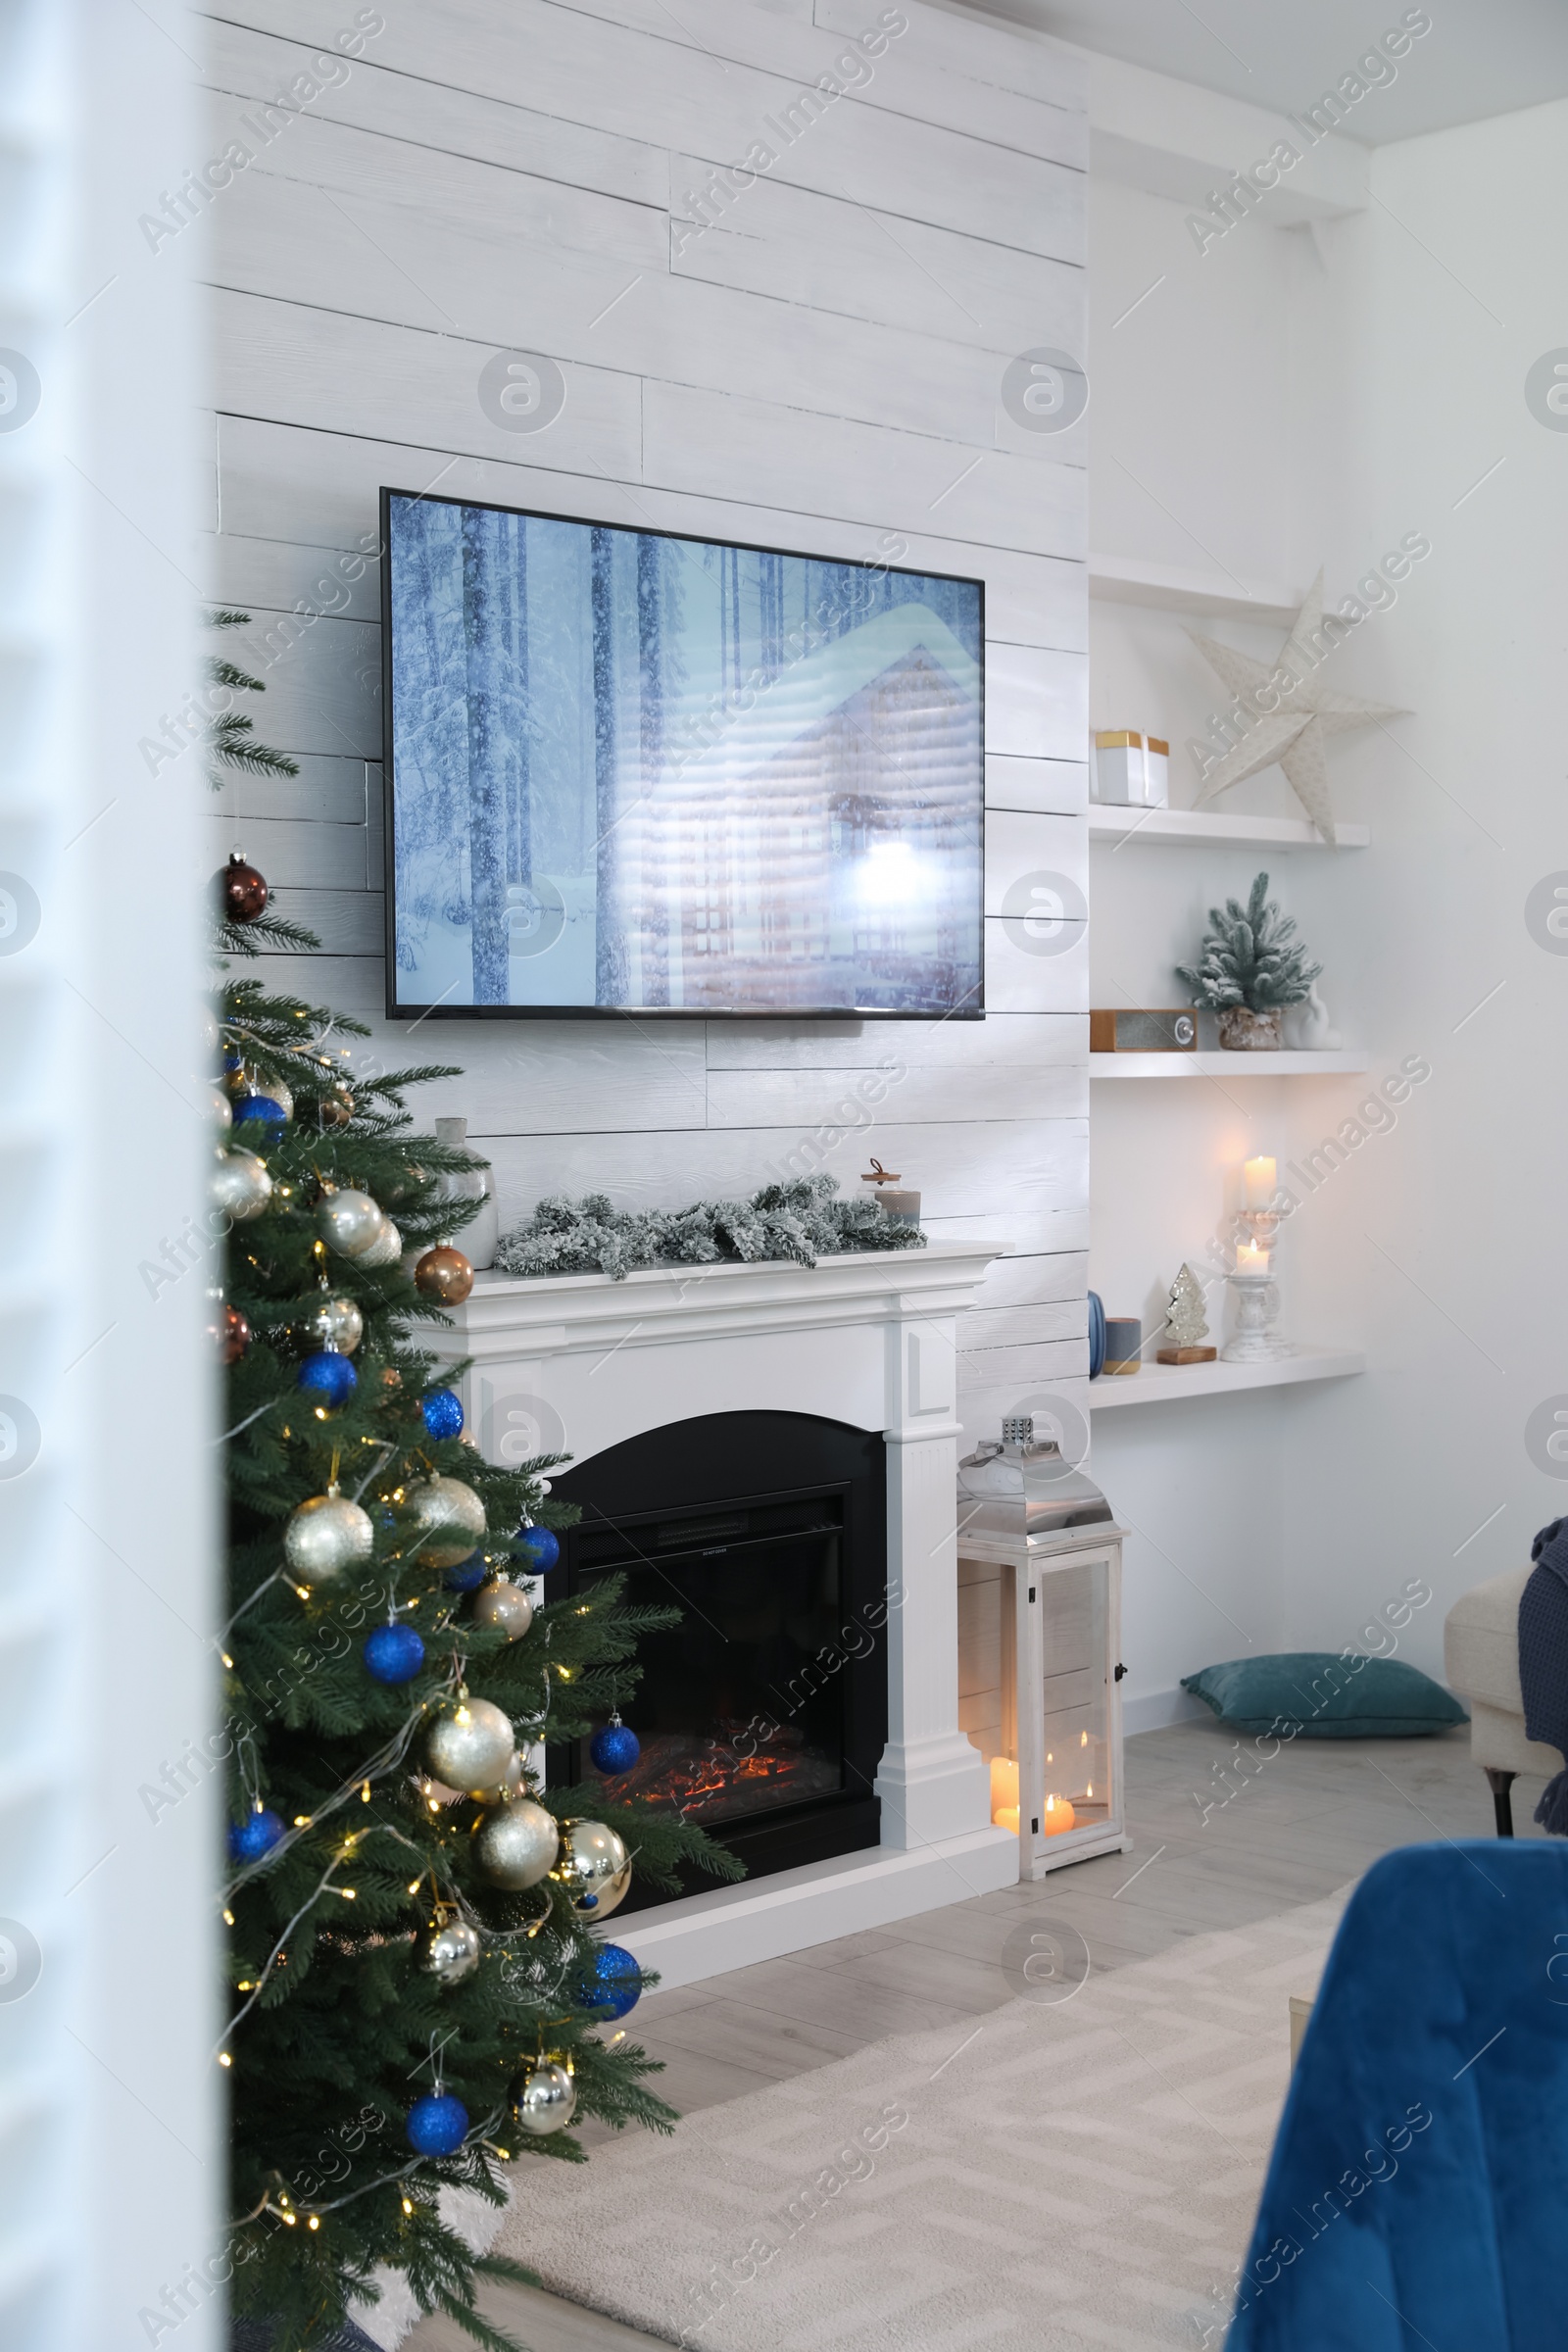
<point>764,1714</point>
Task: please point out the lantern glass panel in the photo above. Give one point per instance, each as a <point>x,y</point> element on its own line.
<point>1075,1642</point>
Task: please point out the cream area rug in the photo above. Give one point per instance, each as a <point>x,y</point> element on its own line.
<point>1066,2175</point>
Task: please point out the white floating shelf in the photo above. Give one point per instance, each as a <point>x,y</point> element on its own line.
<point>1126,580</point>
<point>1216,829</point>
<point>1166,1384</point>
<point>1304,1065</point>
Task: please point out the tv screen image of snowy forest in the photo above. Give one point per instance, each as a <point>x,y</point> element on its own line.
<point>638,773</point>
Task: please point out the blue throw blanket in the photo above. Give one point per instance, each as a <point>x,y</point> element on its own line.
<point>1544,1662</point>
<point>1416,2196</point>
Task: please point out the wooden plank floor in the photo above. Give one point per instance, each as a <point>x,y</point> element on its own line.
<point>1300,1826</point>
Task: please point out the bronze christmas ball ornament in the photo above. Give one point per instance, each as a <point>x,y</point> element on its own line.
<point>235,1337</point>
<point>241,891</point>
<point>446,1517</point>
<point>468,1746</point>
<point>449,1950</point>
<point>594,1868</point>
<point>385,1249</point>
<point>504,1607</point>
<point>337,1324</point>
<point>543,2100</point>
<point>326,1537</point>
<point>515,1845</point>
<point>239,1186</point>
<point>444,1274</point>
<point>348,1222</point>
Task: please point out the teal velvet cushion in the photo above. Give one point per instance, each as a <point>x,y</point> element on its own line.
<point>1325,1694</point>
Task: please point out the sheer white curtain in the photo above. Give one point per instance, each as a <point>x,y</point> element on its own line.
<point>111,2185</point>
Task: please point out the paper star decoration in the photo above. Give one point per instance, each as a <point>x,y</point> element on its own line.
<point>1289,711</point>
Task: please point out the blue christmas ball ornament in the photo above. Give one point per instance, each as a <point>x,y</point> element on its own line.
<point>613,1982</point>
<point>614,1749</point>
<point>538,1547</point>
<point>470,1573</point>
<point>253,1838</point>
<point>328,1377</point>
<point>393,1653</point>
<point>438,2124</point>
<point>443,1413</point>
<point>259,1111</point>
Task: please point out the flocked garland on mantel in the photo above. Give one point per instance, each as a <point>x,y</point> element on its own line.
<point>802,1221</point>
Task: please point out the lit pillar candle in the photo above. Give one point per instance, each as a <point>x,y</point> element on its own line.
<point>1003,1793</point>
<point>1058,1816</point>
<point>1251,1259</point>
<point>1260,1178</point>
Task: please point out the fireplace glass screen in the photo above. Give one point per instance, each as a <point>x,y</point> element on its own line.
<point>736,1714</point>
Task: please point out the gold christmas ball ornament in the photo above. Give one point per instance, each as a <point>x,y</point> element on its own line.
<point>515,1845</point>
<point>337,1323</point>
<point>326,1537</point>
<point>469,1746</point>
<point>449,1950</point>
<point>348,1222</point>
<point>543,2100</point>
<point>504,1607</point>
<point>447,1519</point>
<point>445,1275</point>
<point>385,1249</point>
<point>509,1784</point>
<point>594,1868</point>
<point>239,1186</point>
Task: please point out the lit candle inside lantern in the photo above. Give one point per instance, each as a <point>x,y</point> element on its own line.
<point>1058,1816</point>
<point>1260,1178</point>
<point>1005,1792</point>
<point>1251,1259</point>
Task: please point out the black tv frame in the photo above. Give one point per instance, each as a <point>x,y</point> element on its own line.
<point>634,1012</point>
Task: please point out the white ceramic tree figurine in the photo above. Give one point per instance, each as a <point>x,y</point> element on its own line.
<point>1185,1324</point>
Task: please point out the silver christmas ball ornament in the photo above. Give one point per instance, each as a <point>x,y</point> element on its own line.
<point>504,1607</point>
<point>326,1537</point>
<point>349,1223</point>
<point>385,1249</point>
<point>446,1519</point>
<point>337,1323</point>
<point>447,1950</point>
<point>515,1845</point>
<point>468,1746</point>
<point>543,2100</point>
<point>594,1868</point>
<point>223,1111</point>
<point>239,1186</point>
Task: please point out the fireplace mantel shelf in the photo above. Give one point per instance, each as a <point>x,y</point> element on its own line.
<point>568,1313</point>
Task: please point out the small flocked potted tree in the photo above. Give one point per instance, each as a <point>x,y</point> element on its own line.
<point>1252,967</point>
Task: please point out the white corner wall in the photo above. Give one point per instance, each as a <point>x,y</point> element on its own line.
<point>821,370</point>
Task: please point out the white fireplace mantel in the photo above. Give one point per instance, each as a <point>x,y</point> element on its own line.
<point>575,1363</point>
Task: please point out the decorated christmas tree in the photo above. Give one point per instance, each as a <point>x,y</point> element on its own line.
<point>419,1987</point>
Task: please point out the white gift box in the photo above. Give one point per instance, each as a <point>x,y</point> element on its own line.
<point>1128,770</point>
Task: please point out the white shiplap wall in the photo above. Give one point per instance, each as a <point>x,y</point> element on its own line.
<point>823,367</point>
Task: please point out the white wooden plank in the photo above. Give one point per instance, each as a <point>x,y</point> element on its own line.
<point>550,1077</point>
<point>698,440</point>
<point>1052,976</point>
<point>322,684</point>
<point>794,245</point>
<point>912,76</point>
<point>353,376</point>
<point>1011,1040</point>
<point>1048,787</point>
<point>268,578</point>
<point>495,281</point>
<point>347,922</point>
<point>356,166</point>
<point>874,1098</point>
<point>1040,1233</point>
<point>1036,704</point>
<point>981,50</point>
<point>344,983</point>
<point>1059,1400</point>
<point>293,853</point>
<point>1026,1280</point>
<point>463,123</point>
<point>1040,1360</point>
<point>1020,846</point>
<point>327,790</point>
<point>1024,1326</point>
<point>653,87</point>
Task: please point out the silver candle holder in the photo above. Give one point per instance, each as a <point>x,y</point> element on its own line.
<point>1255,1339</point>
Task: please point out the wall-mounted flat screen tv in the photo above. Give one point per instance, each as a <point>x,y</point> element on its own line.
<point>629,772</point>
